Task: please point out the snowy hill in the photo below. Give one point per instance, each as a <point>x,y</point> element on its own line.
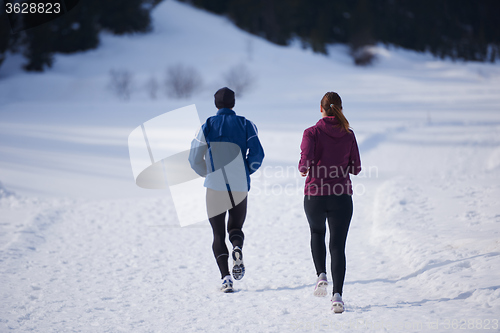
<point>82,248</point>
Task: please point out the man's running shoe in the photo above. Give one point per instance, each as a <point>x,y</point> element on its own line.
<point>238,266</point>
<point>227,284</point>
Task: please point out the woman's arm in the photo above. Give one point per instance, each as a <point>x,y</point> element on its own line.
<point>354,159</point>
<point>307,152</point>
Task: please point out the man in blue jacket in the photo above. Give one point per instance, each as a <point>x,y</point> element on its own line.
<point>226,151</point>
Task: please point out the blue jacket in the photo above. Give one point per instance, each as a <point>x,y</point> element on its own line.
<point>225,126</point>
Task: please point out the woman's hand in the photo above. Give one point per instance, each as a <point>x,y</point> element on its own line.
<point>303,174</point>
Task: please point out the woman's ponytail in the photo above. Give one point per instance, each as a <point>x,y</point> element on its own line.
<point>332,104</point>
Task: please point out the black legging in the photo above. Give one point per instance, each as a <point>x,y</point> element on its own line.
<point>338,210</point>
<point>235,221</point>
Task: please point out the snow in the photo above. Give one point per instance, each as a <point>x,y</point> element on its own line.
<point>83,249</point>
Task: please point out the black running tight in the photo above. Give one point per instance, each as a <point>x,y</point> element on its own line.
<point>235,221</point>
<point>337,210</point>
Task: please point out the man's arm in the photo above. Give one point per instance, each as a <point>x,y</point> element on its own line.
<point>255,153</point>
<point>197,153</point>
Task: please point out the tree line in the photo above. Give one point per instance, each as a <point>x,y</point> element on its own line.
<point>77,30</point>
<point>455,29</point>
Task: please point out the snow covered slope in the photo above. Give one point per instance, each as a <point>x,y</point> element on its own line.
<point>83,249</point>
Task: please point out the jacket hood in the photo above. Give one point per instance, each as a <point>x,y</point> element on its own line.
<point>331,126</point>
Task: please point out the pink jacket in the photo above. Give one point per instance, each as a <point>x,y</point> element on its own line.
<point>330,154</point>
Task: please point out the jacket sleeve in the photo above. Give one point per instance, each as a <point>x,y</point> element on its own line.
<point>354,159</point>
<point>255,154</point>
<point>197,153</point>
<point>306,151</point>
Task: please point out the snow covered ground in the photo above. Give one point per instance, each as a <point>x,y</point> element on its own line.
<point>82,249</point>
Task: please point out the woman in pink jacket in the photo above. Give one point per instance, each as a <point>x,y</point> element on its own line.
<point>329,153</point>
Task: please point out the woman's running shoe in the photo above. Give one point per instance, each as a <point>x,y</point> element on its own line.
<point>321,284</point>
<point>337,304</point>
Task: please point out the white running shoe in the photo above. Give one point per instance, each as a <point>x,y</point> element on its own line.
<point>227,284</point>
<point>238,266</point>
<point>321,284</point>
<point>337,304</point>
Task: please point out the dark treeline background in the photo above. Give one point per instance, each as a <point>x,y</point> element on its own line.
<point>77,30</point>
<point>458,29</point>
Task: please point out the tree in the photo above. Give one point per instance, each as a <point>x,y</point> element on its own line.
<point>4,35</point>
